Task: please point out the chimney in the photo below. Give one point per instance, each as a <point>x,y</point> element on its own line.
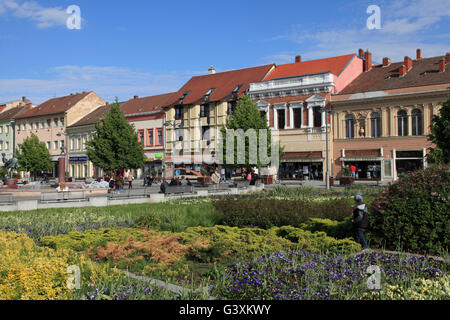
<point>442,65</point>
<point>211,70</point>
<point>447,57</point>
<point>367,61</point>
<point>402,70</point>
<point>298,59</point>
<point>24,99</point>
<point>418,54</point>
<point>408,63</point>
<point>386,62</point>
<point>136,97</point>
<point>361,53</point>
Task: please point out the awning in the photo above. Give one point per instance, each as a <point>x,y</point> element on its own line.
<point>362,158</point>
<point>303,160</point>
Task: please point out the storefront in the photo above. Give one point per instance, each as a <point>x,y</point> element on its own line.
<point>302,165</point>
<point>153,163</point>
<point>79,168</point>
<point>410,160</point>
<point>369,163</point>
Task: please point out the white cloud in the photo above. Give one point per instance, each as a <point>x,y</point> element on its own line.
<point>43,17</point>
<point>106,81</point>
<point>406,26</point>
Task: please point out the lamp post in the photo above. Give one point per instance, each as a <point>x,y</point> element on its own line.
<point>62,162</point>
<point>327,112</point>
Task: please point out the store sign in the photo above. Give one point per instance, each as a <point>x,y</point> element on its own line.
<point>158,156</point>
<point>78,159</point>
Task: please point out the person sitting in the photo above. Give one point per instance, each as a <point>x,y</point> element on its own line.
<point>173,182</point>
<point>184,181</point>
<point>164,186</point>
<point>62,187</point>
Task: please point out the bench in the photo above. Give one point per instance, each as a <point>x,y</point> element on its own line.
<point>129,194</point>
<point>242,184</point>
<point>179,189</point>
<point>65,196</point>
<point>219,187</point>
<point>6,199</point>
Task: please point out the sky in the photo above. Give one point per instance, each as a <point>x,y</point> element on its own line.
<point>146,47</point>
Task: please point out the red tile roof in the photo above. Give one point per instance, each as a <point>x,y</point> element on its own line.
<point>335,65</point>
<point>147,104</point>
<point>223,82</point>
<point>12,113</point>
<point>54,106</point>
<point>423,73</point>
<point>93,117</point>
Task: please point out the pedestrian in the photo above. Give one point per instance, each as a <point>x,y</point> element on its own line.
<point>184,181</point>
<point>360,221</point>
<point>215,177</point>
<point>119,183</point>
<point>353,171</point>
<point>130,180</point>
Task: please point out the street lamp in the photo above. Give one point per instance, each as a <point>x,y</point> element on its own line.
<point>62,161</point>
<point>327,112</point>
<point>172,124</point>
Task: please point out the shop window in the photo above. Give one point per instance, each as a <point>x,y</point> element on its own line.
<point>402,123</point>
<point>350,126</point>
<point>375,125</point>
<point>388,168</point>
<point>417,124</point>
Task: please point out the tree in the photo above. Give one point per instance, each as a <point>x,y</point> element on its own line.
<point>246,117</point>
<point>440,135</point>
<point>33,156</point>
<point>115,144</point>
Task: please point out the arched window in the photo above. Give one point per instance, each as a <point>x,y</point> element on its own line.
<point>402,123</point>
<point>375,125</point>
<point>350,126</point>
<point>417,123</point>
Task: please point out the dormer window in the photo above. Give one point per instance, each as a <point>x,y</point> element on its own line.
<point>184,96</point>
<point>236,90</point>
<point>208,94</point>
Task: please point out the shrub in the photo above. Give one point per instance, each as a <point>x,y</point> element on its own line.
<point>270,212</point>
<point>335,229</point>
<point>413,213</point>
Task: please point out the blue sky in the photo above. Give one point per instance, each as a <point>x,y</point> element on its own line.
<point>145,47</point>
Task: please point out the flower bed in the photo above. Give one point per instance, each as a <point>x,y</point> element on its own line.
<point>304,275</point>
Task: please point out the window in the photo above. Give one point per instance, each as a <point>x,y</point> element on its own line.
<point>317,116</point>
<point>85,139</point>
<point>31,125</point>
<point>73,170</point>
<point>206,133</point>
<point>231,107</point>
<point>79,145</point>
<point>179,134</point>
<point>24,126</point>
<point>7,129</point>
<point>204,111</point>
<point>49,123</point>
<point>297,118</point>
<point>1,145</point>
<point>281,116</point>
<point>350,126</point>
<point>141,137</point>
<point>179,113</point>
<point>61,143</point>
<point>18,127</point>
<point>85,171</point>
<point>48,145</point>
<point>62,122</point>
<point>236,90</point>
<point>1,129</point>
<point>208,94</point>
<point>402,121</point>
<point>150,140</point>
<point>55,145</point>
<point>375,125</point>
<point>263,114</point>
<point>7,145</point>
<point>417,126</point>
<point>184,96</point>
<point>37,125</point>
<point>55,122</point>
<point>42,124</point>
<point>72,143</point>
<point>160,137</point>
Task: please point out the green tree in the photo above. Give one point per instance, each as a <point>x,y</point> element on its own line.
<point>33,156</point>
<point>115,145</point>
<point>440,135</point>
<point>246,116</point>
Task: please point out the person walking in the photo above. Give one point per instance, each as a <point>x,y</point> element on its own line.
<point>119,183</point>
<point>130,180</point>
<point>215,177</point>
<point>353,171</point>
<point>360,221</point>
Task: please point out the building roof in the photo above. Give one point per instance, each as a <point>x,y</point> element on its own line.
<point>147,104</point>
<point>224,84</point>
<point>335,65</point>
<point>93,117</point>
<point>424,72</point>
<point>12,113</point>
<point>54,106</point>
